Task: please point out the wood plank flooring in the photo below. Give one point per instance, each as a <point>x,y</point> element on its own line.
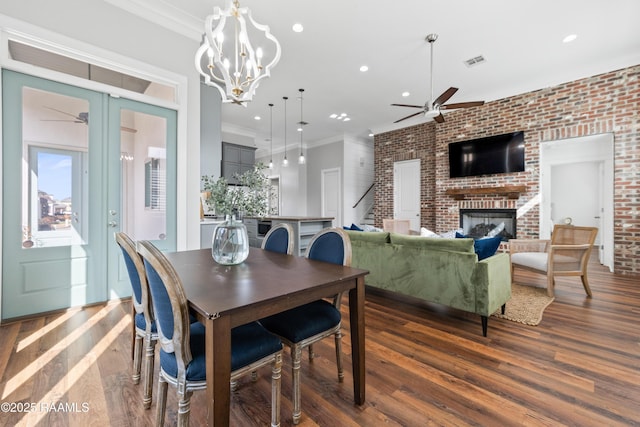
<point>426,366</point>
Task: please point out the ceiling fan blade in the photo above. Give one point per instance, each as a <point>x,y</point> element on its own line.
<point>462,105</point>
<point>126,129</point>
<point>445,96</point>
<point>439,118</point>
<point>407,105</point>
<point>54,120</point>
<point>63,112</point>
<point>408,117</point>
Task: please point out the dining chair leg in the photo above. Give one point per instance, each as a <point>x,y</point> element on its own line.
<point>296,355</point>
<point>137,358</point>
<point>150,354</point>
<point>133,332</point>
<point>311,353</point>
<point>162,401</point>
<point>184,408</point>
<point>338,338</point>
<point>276,382</point>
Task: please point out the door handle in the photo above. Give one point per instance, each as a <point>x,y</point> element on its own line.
<point>113,224</point>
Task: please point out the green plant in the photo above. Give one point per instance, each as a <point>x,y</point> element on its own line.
<point>249,198</point>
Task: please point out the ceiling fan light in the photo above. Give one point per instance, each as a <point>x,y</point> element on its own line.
<point>431,114</point>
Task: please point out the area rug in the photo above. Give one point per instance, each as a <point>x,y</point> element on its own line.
<point>526,305</point>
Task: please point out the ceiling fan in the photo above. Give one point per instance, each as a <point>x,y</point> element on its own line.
<point>82,117</point>
<point>434,110</point>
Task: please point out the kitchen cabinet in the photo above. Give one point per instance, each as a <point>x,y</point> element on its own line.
<point>236,159</point>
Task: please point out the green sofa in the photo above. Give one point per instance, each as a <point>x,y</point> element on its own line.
<point>443,271</point>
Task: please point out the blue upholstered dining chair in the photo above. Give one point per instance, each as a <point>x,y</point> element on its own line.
<point>182,343</point>
<point>303,326</point>
<point>143,325</point>
<point>279,239</point>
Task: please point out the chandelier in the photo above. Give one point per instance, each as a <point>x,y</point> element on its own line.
<point>227,59</point>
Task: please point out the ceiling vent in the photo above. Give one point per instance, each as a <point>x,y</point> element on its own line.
<point>476,60</point>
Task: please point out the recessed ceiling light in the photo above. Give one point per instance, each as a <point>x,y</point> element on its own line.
<point>343,115</point>
<point>333,116</point>
<point>364,68</point>
<point>298,28</point>
<point>569,38</point>
<point>405,94</point>
<point>346,119</point>
<point>257,118</point>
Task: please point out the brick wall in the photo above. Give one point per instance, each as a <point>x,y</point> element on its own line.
<point>608,102</point>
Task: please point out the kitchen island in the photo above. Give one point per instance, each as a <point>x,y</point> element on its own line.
<point>304,228</point>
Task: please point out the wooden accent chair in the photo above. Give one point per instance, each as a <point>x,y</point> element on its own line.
<point>143,324</point>
<point>182,343</point>
<point>303,326</point>
<point>566,254</point>
<point>279,239</point>
<point>400,226</point>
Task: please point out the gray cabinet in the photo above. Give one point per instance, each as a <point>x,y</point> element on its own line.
<point>236,159</point>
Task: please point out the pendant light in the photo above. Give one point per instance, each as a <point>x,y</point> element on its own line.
<point>271,135</point>
<point>301,159</point>
<point>285,162</point>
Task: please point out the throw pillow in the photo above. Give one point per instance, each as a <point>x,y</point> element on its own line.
<point>451,234</point>
<point>355,227</point>
<point>427,233</point>
<point>484,247</point>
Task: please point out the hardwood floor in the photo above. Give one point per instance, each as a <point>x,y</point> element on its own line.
<point>426,365</point>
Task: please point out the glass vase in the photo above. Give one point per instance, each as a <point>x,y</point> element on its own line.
<point>230,245</point>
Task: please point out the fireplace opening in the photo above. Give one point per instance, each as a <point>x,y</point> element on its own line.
<point>479,223</point>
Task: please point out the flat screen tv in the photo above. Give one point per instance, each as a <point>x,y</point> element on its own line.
<point>490,155</point>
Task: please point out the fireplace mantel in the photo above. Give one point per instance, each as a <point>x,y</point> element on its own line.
<point>508,191</point>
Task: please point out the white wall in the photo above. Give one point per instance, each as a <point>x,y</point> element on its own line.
<point>301,185</point>
<point>96,28</point>
<point>327,156</point>
<point>293,182</point>
<point>358,176</point>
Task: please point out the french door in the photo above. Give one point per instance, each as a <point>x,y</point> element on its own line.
<point>79,165</point>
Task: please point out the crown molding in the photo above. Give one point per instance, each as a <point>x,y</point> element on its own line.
<point>164,14</point>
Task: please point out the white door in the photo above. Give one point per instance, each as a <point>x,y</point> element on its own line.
<point>332,195</point>
<point>406,192</point>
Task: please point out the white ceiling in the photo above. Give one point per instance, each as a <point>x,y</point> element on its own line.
<point>520,40</point>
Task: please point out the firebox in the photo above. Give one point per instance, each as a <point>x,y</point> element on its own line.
<point>478,223</point>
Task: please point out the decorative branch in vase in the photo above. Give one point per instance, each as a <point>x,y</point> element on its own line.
<point>248,198</point>
<point>230,243</point>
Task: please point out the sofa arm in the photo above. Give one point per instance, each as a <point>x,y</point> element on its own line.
<point>492,278</point>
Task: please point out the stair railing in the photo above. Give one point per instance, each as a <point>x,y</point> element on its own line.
<point>364,195</point>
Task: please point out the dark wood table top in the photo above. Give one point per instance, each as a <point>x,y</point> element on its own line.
<point>261,282</point>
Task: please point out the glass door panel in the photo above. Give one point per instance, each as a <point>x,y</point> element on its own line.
<point>142,195</point>
<point>51,201</point>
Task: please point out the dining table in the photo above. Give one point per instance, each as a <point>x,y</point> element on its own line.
<point>225,296</point>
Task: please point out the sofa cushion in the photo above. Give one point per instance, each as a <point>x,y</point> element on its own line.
<point>368,236</point>
<point>433,243</point>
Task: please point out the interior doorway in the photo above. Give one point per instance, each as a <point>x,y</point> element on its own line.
<point>576,185</point>
<point>332,195</point>
<point>406,192</point>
